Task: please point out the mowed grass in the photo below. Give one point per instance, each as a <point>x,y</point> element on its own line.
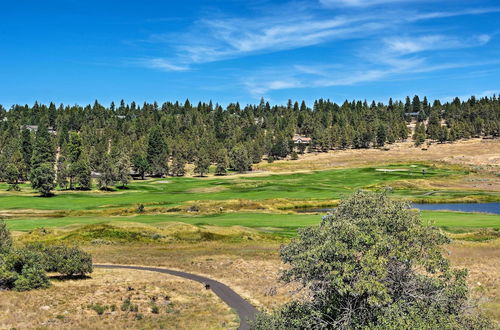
<point>318,185</point>
<point>283,224</point>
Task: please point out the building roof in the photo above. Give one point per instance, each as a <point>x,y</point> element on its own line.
<point>301,139</point>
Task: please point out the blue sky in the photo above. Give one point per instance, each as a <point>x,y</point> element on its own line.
<point>77,51</point>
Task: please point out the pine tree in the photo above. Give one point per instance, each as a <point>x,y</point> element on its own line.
<point>43,149</point>
<point>222,162</point>
<point>157,152</point>
<point>178,165</point>
<point>201,163</point>
<point>239,159</point>
<point>42,179</point>
<point>107,176</point>
<point>123,169</point>
<point>27,150</point>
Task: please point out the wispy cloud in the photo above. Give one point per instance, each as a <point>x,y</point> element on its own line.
<point>362,3</point>
<point>161,64</point>
<point>407,45</point>
<point>397,60</point>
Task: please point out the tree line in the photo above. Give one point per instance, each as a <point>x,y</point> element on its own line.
<point>64,146</point>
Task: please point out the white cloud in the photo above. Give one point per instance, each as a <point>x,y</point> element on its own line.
<point>162,64</point>
<point>361,3</point>
<point>408,45</point>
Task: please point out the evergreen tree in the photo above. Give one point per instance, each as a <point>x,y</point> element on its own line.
<point>42,179</point>
<point>141,165</point>
<point>107,171</point>
<point>157,152</point>
<point>43,149</point>
<point>239,159</point>
<point>123,169</point>
<point>201,163</point>
<point>27,150</point>
<point>83,176</point>
<point>178,165</point>
<point>62,173</point>
<point>221,162</point>
<point>381,135</point>
<point>12,176</point>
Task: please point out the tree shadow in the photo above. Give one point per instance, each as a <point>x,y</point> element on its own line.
<point>63,278</point>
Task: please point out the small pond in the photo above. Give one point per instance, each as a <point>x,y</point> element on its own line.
<point>493,208</point>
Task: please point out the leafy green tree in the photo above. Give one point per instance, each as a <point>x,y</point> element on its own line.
<point>82,172</point>
<point>178,165</point>
<point>12,176</point>
<point>372,264</point>
<point>239,159</point>
<point>201,163</point>
<point>419,135</point>
<point>62,173</point>
<point>123,169</point>
<point>107,176</point>
<point>221,162</point>
<point>74,147</point>
<point>42,179</point>
<point>141,165</point>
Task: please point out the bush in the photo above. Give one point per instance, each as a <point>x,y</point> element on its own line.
<point>25,268</point>
<point>155,309</point>
<point>67,261</point>
<point>5,237</point>
<point>98,308</point>
<point>32,277</point>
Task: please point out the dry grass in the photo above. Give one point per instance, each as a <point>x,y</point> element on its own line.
<point>252,269</point>
<point>66,305</point>
<point>482,259</point>
<point>474,152</point>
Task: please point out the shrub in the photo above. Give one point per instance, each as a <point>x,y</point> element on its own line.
<point>67,261</point>
<point>5,237</point>
<point>32,277</point>
<point>25,268</point>
<point>22,269</point>
<point>98,308</point>
<point>125,305</point>
<point>155,309</point>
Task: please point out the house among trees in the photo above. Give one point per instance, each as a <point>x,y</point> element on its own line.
<point>298,139</point>
<point>34,128</point>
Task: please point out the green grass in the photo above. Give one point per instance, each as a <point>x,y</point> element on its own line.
<point>456,221</point>
<point>319,185</point>
<point>284,224</point>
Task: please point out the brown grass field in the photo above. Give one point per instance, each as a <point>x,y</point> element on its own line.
<point>68,304</point>
<point>474,152</point>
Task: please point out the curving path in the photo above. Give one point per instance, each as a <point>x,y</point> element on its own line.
<point>245,310</point>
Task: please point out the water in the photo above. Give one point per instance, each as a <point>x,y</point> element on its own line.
<point>493,208</point>
<point>463,207</point>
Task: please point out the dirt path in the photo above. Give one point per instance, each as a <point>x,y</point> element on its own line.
<point>244,309</point>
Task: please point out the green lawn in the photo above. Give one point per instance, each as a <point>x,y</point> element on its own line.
<point>319,185</point>
<point>285,224</point>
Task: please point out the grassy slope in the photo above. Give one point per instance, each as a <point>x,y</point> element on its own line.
<point>285,224</point>
<point>319,185</point>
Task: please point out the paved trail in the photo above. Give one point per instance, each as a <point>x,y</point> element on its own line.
<point>245,310</point>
